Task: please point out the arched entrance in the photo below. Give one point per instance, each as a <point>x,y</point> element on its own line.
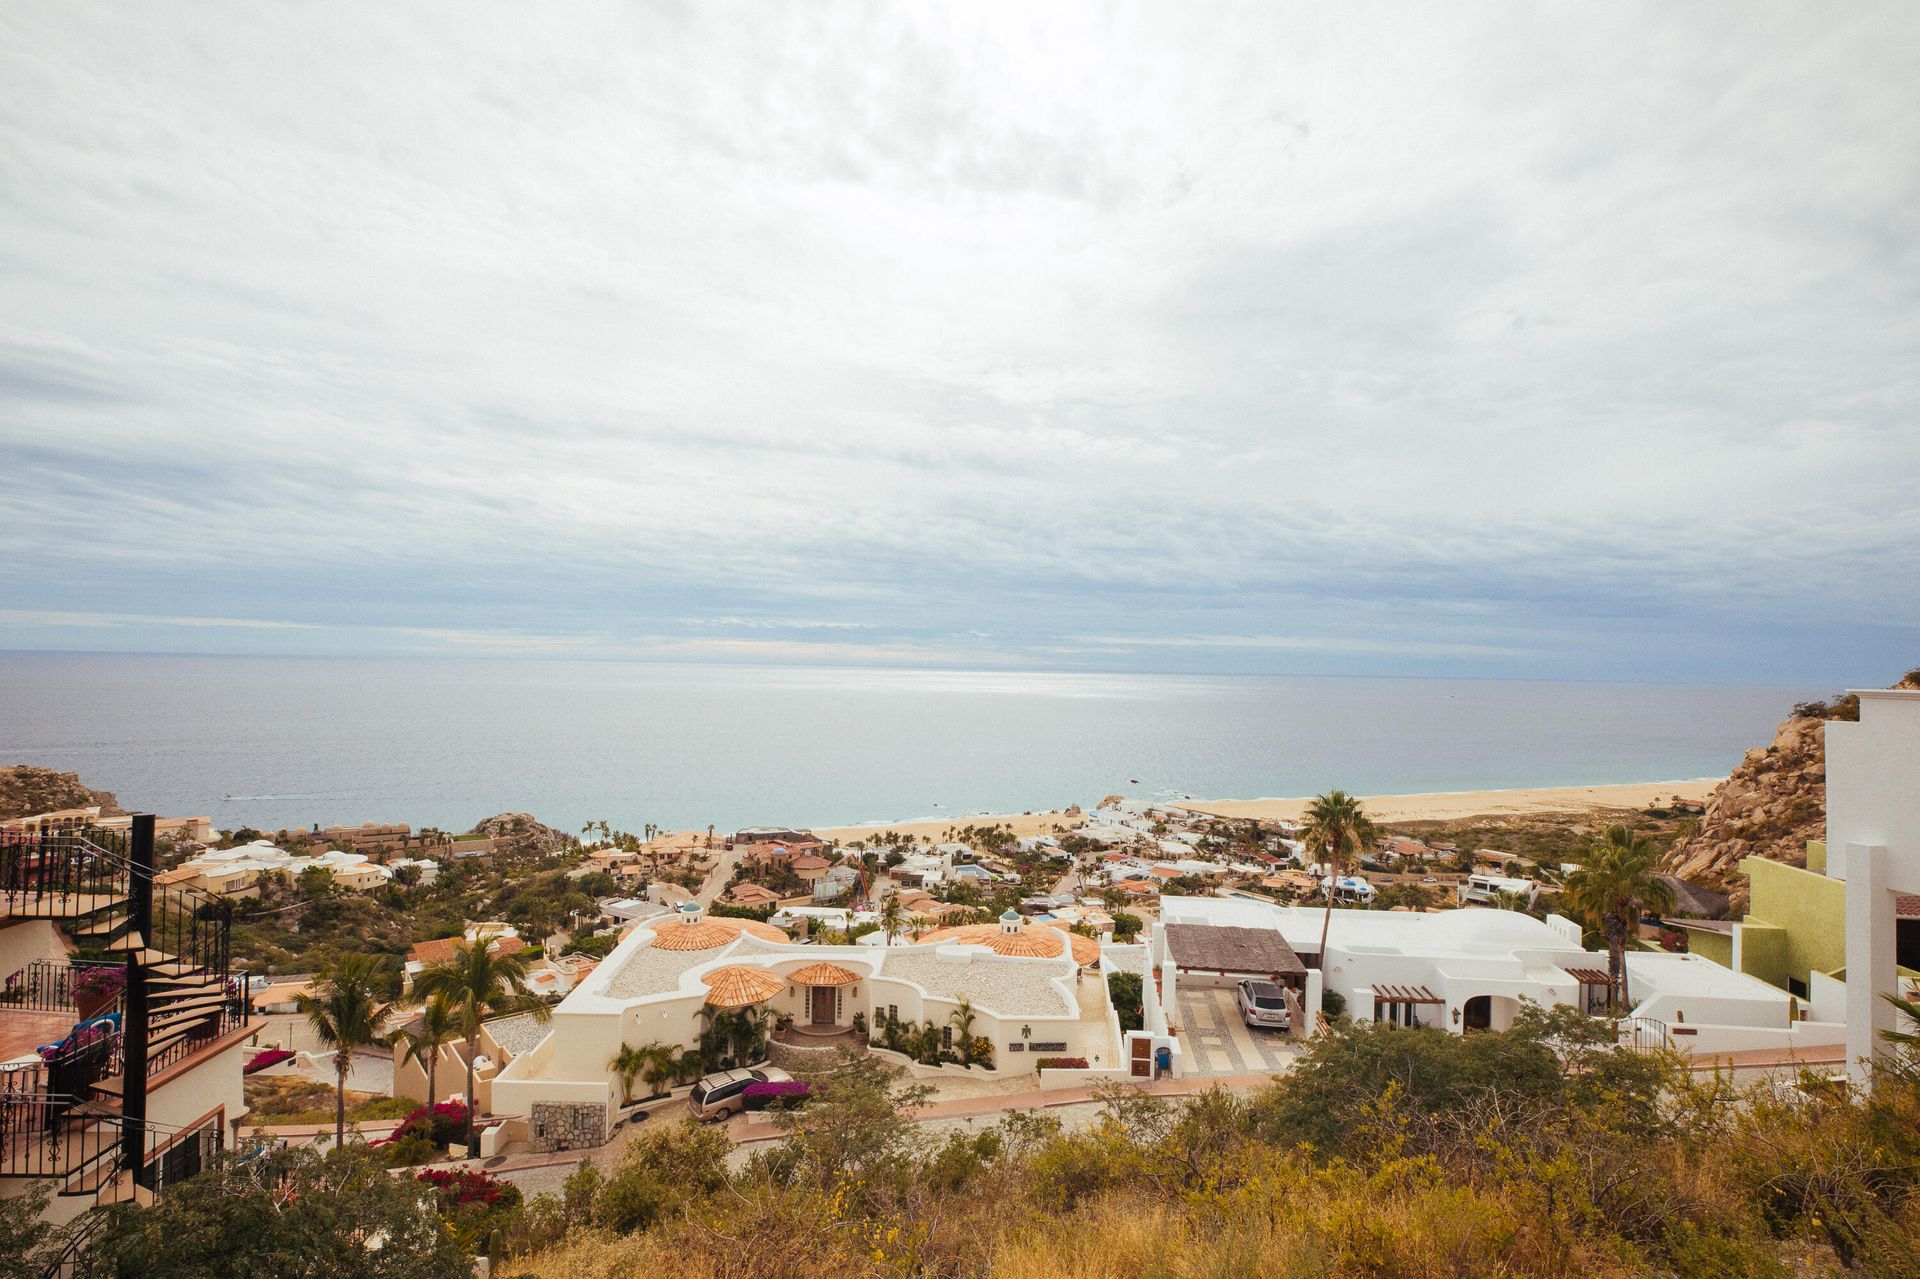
<point>1477,1013</point>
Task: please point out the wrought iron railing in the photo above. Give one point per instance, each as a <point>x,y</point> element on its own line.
<point>47,985</point>
<point>63,862</point>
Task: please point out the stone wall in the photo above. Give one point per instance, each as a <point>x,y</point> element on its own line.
<point>559,1125</point>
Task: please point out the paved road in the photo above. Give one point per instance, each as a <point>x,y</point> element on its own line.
<point>717,877</point>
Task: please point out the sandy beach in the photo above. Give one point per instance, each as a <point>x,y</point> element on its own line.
<point>1447,806</point>
<point>1442,806</point>
<point>1022,824</point>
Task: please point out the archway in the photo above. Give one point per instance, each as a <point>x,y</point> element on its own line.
<point>1477,1013</point>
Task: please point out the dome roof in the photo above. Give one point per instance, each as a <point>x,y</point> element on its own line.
<point>1029,941</point>
<point>823,974</point>
<point>707,934</point>
<point>738,986</point>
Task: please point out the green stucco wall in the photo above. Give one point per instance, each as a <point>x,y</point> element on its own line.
<point>1817,856</point>
<point>1796,922</point>
<point>1715,946</point>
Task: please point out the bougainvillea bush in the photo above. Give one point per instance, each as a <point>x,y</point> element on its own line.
<point>1061,1063</point>
<point>778,1093</point>
<point>470,1190</point>
<point>440,1124</point>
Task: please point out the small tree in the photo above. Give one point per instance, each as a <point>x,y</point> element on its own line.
<point>436,1028</point>
<point>627,1065</point>
<point>891,916</point>
<point>345,1016</point>
<point>477,984</point>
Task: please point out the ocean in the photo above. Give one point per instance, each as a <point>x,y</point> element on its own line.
<point>285,742</point>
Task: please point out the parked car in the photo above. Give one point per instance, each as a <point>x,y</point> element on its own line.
<point>1263,1005</point>
<point>718,1095</point>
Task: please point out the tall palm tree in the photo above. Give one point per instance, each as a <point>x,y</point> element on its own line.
<point>890,917</point>
<point>345,1015</point>
<point>1613,887</point>
<point>1337,826</point>
<point>627,1064</point>
<point>478,984</point>
<point>436,1029</point>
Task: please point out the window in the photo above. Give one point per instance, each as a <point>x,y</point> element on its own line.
<point>893,1012</point>
<point>946,1036</point>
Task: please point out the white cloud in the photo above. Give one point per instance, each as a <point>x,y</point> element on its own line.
<point>927,320</point>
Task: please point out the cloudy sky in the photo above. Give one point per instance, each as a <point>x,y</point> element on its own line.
<point>1531,340</point>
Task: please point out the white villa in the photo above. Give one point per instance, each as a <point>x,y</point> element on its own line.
<point>1037,991</point>
<point>1469,969</point>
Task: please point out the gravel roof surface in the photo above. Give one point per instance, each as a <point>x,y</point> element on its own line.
<point>518,1035</point>
<point>1017,987</point>
<point>649,971</point>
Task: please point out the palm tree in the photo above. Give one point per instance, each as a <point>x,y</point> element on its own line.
<point>477,984</point>
<point>962,1018</point>
<point>1338,827</point>
<point>436,1029</point>
<point>658,1069</point>
<point>345,1015</point>
<point>890,917</point>
<point>1614,886</point>
<point>627,1064</point>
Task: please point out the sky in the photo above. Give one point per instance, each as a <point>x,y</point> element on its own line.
<point>1531,341</point>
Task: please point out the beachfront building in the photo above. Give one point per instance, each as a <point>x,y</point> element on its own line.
<point>236,872</point>
<point>120,1079</point>
<point>1475,969</point>
<point>197,830</point>
<point>1035,991</point>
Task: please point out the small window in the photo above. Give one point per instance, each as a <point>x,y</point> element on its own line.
<point>1796,987</point>
<point>893,1012</point>
<point>946,1036</point>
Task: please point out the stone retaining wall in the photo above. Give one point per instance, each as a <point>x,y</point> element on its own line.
<point>560,1125</point>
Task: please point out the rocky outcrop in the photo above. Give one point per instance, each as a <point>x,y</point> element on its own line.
<point>1774,801</point>
<point>521,832</point>
<point>25,790</point>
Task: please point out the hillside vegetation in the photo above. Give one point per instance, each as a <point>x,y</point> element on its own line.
<point>1391,1154</point>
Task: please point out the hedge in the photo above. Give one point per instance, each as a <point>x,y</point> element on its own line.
<point>1061,1063</point>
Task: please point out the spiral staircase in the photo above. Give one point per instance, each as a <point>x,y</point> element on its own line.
<point>75,1112</point>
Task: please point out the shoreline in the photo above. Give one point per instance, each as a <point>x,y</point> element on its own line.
<point>1428,806</point>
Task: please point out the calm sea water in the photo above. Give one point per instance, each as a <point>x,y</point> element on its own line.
<point>272,742</point>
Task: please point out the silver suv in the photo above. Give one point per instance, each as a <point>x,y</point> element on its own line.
<point>723,1093</point>
<point>1263,1005</point>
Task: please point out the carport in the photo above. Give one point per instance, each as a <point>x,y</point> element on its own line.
<point>1221,955</point>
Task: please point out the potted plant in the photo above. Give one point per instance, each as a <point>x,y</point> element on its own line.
<point>95,988</point>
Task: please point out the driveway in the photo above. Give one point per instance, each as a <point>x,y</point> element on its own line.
<point>1214,1041</point>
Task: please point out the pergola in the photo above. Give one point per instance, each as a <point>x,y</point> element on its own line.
<point>1401,1002</point>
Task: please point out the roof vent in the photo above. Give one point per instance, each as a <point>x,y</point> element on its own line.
<point>1010,921</point>
<point>690,912</point>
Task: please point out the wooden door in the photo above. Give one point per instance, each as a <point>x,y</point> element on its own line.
<point>826,1005</point>
<point>1142,1063</point>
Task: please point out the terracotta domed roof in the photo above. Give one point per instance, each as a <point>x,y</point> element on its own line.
<point>710,933</point>
<point>823,974</point>
<point>737,986</point>
<point>1031,941</point>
